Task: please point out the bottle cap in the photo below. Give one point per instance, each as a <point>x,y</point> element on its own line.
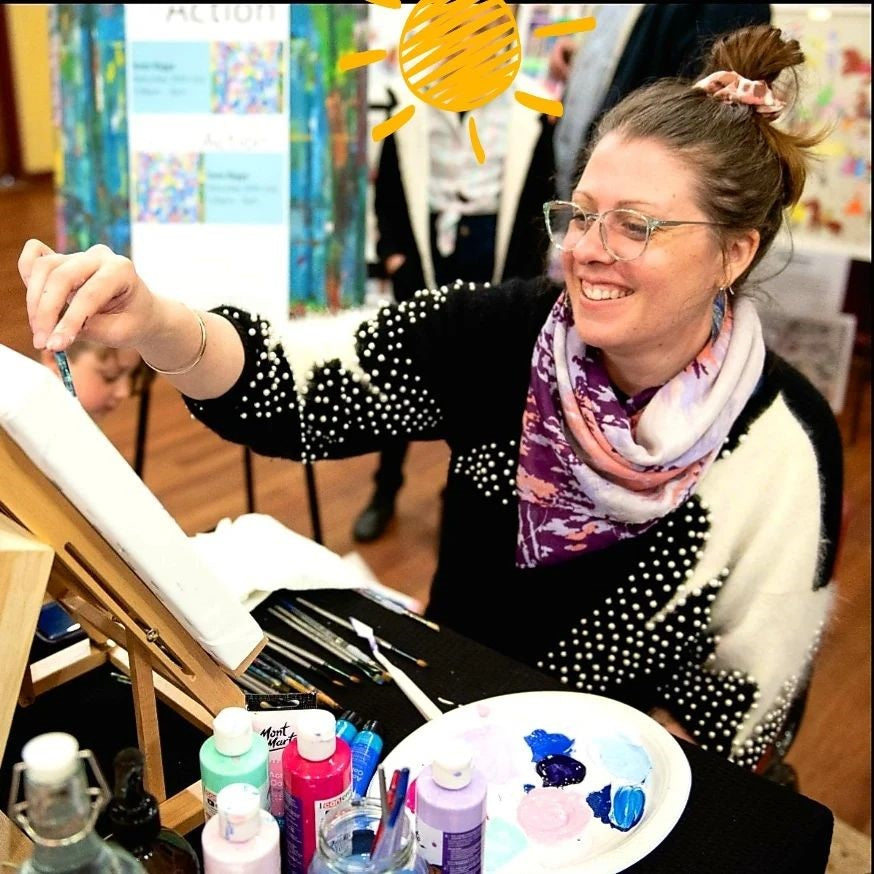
<point>232,731</point>
<point>239,812</point>
<point>51,758</point>
<point>351,717</point>
<point>452,764</point>
<point>316,734</point>
<point>374,726</point>
<point>133,812</point>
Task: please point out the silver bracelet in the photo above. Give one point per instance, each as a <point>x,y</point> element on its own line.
<point>197,358</point>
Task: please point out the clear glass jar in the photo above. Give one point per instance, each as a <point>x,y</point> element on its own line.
<point>346,836</point>
<point>60,810</point>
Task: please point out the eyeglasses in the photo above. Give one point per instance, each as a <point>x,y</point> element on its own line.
<point>624,233</point>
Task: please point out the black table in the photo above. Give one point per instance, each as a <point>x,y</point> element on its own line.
<point>735,822</point>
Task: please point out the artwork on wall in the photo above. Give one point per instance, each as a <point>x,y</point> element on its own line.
<point>89,109</point>
<point>328,158</point>
<point>836,41</point>
<point>217,145</point>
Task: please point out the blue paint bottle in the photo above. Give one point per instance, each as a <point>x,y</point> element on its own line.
<point>366,750</point>
<point>347,725</point>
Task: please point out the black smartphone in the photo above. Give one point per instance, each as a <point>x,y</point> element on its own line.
<point>55,623</point>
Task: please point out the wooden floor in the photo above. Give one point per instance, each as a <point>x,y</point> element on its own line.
<point>199,479</point>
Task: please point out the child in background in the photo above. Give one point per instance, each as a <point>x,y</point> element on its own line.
<point>102,377</point>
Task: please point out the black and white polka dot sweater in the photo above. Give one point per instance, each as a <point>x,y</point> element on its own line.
<point>714,613</point>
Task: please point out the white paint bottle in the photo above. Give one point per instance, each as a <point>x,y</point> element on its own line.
<point>451,810</point>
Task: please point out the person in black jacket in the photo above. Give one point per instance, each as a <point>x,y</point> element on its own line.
<point>498,236</point>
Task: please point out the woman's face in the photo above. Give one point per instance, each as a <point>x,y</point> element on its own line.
<point>103,382</point>
<point>652,315</point>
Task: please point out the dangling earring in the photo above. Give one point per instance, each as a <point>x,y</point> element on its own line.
<point>720,304</point>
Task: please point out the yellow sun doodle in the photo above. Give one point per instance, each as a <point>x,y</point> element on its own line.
<point>458,55</point>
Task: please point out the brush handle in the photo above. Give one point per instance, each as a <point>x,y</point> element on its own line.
<point>420,700</point>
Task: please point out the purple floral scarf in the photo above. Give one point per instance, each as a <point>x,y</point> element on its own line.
<point>594,470</point>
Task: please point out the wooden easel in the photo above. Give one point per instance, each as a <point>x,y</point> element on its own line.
<point>48,547</point>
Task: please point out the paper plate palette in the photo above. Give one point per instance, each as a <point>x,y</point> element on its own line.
<point>576,782</point>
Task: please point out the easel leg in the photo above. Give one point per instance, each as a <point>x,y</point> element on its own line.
<point>146,713</point>
<point>25,566</point>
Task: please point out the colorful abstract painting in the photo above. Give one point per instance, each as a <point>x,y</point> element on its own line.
<point>328,158</point>
<point>836,204</point>
<point>90,115</point>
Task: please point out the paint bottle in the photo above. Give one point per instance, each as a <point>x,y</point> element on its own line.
<point>347,725</point>
<point>317,771</point>
<point>135,820</point>
<point>242,838</point>
<point>234,754</point>
<point>451,810</point>
<point>366,750</point>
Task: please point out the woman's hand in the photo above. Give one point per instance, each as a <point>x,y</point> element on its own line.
<point>97,295</point>
<point>105,299</point>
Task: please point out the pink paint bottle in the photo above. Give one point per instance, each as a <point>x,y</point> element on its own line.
<point>242,838</point>
<point>451,810</point>
<point>317,773</point>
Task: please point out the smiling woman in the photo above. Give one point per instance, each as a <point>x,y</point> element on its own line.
<point>612,437</point>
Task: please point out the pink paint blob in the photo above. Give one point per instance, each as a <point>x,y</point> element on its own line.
<point>483,710</point>
<point>549,815</point>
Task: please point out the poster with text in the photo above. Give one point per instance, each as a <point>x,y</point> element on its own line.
<point>219,146</point>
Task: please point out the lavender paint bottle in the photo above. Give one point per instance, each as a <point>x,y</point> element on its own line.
<point>451,810</point>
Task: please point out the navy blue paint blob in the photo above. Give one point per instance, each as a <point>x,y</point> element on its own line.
<point>561,771</point>
<point>600,804</point>
<point>628,804</point>
<point>528,787</point>
<point>543,744</point>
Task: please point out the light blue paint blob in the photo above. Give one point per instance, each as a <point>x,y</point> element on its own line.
<point>625,760</point>
<point>600,803</point>
<point>503,841</point>
<point>543,743</point>
<point>627,807</point>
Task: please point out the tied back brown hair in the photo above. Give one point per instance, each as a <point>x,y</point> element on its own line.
<point>748,170</point>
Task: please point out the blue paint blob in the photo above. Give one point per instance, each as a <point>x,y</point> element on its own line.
<point>560,771</point>
<point>600,804</point>
<point>628,804</point>
<point>628,761</point>
<point>503,841</point>
<point>528,787</point>
<point>543,744</point>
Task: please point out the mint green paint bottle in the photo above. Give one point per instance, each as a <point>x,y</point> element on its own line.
<point>234,754</point>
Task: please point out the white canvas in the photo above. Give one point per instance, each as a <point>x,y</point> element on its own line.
<point>51,427</point>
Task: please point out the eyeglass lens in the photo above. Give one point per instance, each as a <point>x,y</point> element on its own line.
<point>623,232</point>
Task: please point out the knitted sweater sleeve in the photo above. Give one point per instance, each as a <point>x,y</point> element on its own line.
<point>406,372</point>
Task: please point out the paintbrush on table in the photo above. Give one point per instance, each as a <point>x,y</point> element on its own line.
<point>396,607</point>
<point>419,699</point>
<point>346,624</point>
